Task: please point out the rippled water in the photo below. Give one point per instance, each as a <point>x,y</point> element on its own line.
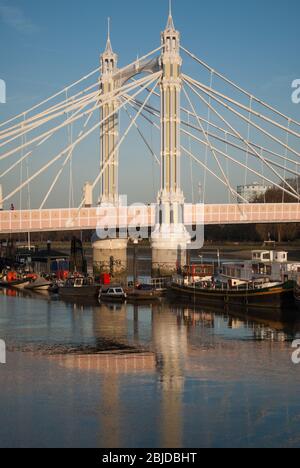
<point>163,375</point>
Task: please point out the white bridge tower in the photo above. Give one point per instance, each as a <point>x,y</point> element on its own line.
<point>109,255</point>
<point>170,238</point>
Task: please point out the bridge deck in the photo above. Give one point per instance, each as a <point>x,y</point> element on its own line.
<point>92,218</point>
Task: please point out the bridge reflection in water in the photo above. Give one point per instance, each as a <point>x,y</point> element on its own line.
<point>174,337</point>
<point>166,375</point>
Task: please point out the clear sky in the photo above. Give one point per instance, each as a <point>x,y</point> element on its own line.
<point>45,45</point>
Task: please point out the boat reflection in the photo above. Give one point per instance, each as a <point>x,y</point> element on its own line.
<point>153,367</point>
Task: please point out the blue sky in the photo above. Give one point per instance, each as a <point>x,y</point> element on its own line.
<point>45,45</point>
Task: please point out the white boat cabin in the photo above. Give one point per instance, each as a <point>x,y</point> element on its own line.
<point>264,264</point>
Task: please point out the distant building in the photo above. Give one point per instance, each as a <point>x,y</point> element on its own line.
<point>252,191</point>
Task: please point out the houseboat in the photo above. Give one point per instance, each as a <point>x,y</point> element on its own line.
<point>258,293</point>
<point>268,264</point>
<point>79,286</point>
<point>267,280</point>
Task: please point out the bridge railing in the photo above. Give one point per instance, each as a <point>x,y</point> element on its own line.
<point>124,217</point>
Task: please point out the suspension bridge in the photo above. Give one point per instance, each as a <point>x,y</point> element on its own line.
<point>208,122</point>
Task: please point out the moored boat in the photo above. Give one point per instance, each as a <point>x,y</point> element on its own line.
<point>12,279</point>
<point>112,293</point>
<point>253,294</point>
<point>297,289</point>
<point>144,292</point>
<point>39,284</point>
<point>79,286</point>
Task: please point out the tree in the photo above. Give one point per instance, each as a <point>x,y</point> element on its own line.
<point>279,232</point>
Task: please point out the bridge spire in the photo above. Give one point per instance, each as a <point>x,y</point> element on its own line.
<point>170,238</point>
<point>108,49</point>
<point>109,133</point>
<point>170,23</point>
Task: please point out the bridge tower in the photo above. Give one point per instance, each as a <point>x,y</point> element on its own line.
<point>109,255</point>
<point>170,238</point>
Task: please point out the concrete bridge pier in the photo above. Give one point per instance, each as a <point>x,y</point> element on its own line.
<point>168,254</point>
<point>170,238</point>
<point>110,256</point>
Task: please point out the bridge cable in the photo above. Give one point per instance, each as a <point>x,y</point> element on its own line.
<point>233,192</point>
<point>63,165</point>
<point>239,163</point>
<point>259,101</point>
<point>72,146</point>
<point>190,154</point>
<point>30,152</point>
<point>191,169</point>
<point>240,148</point>
<point>70,141</point>
<point>223,140</point>
<point>248,139</point>
<point>148,145</point>
<point>236,132</point>
<point>51,97</point>
<point>226,106</point>
<point>115,93</point>
<point>286,153</point>
<point>206,150</point>
<point>227,164</point>
<point>46,115</point>
<point>157,77</point>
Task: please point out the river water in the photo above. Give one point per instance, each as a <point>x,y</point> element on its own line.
<point>160,375</point>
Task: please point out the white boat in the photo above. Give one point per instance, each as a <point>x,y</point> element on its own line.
<point>268,264</point>
<point>112,293</point>
<point>39,284</point>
